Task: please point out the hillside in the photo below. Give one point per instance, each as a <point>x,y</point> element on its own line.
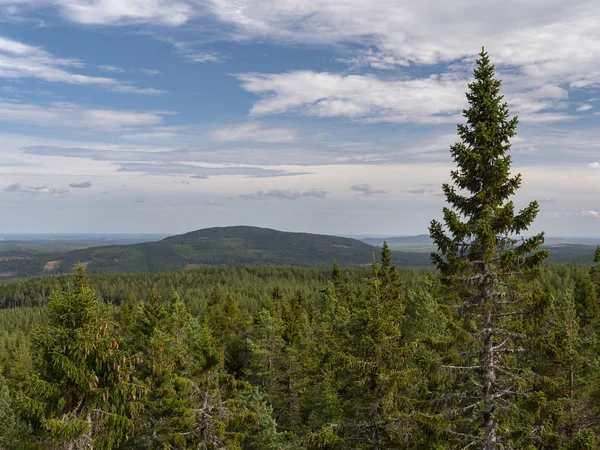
<point>563,250</point>
<point>240,245</point>
<point>235,246</point>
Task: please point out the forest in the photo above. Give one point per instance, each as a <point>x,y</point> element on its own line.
<point>492,349</point>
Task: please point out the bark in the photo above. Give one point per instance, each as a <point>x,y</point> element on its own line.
<point>488,366</point>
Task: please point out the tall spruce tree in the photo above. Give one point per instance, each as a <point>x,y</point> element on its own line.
<point>481,261</point>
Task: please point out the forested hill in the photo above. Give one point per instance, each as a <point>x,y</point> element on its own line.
<point>239,245</point>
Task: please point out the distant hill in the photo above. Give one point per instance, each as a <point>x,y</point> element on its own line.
<point>239,245</point>
<point>233,246</point>
<point>571,253</point>
<point>563,250</point>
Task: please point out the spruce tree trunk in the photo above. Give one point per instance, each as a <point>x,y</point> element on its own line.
<point>489,382</point>
<point>487,363</point>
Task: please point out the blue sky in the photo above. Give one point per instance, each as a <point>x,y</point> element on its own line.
<point>317,115</point>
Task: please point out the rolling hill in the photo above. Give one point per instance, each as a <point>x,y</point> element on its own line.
<point>239,245</point>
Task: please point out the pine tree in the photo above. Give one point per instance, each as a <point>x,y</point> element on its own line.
<point>480,259</point>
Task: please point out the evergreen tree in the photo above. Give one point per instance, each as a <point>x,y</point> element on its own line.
<point>229,327</point>
<point>567,363</point>
<point>266,356</point>
<point>13,431</point>
<point>82,394</point>
<point>254,425</point>
<point>482,261</point>
<point>180,366</point>
<point>373,379</point>
<point>586,301</point>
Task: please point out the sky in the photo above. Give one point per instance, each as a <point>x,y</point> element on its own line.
<point>328,116</point>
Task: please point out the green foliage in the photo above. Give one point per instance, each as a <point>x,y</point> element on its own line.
<point>249,285</point>
<point>82,390</point>
<point>13,430</point>
<point>483,264</point>
<point>292,358</point>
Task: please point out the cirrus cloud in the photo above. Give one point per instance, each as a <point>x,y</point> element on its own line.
<point>19,60</point>
<point>254,132</point>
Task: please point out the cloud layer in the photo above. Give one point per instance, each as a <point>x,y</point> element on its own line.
<point>269,99</point>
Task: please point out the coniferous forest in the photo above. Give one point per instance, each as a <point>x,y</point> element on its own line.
<point>493,349</point>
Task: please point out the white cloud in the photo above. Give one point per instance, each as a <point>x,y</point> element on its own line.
<point>19,60</point>
<point>585,107</point>
<point>253,132</point>
<point>74,116</point>
<point>165,12</point>
<point>541,48</point>
<point>373,59</point>
<point>594,165</point>
<point>116,12</point>
<point>594,214</point>
<point>545,40</point>
<point>434,99</point>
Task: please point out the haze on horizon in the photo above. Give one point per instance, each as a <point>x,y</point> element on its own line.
<point>166,116</point>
